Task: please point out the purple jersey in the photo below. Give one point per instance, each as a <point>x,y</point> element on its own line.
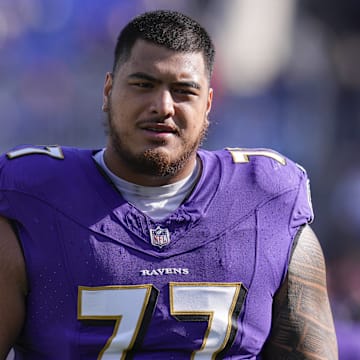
<point>108,282</point>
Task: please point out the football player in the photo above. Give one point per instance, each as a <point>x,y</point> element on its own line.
<point>153,248</point>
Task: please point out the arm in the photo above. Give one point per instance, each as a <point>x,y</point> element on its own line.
<point>302,326</point>
<point>13,288</point>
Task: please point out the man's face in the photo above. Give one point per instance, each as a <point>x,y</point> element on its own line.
<point>158,103</point>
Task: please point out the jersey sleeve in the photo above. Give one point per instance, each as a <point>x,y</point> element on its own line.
<point>303,211</point>
<point>6,184</point>
<point>25,172</point>
<point>276,190</point>
<point>272,175</point>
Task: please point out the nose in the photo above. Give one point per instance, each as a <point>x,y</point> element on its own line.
<point>163,103</point>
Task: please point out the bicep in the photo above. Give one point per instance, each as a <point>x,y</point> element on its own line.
<point>13,287</point>
<point>302,326</point>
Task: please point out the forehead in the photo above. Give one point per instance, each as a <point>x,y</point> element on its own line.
<point>158,60</point>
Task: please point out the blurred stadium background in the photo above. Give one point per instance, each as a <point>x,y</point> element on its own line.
<point>287,77</point>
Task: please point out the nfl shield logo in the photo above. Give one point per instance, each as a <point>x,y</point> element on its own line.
<point>159,237</point>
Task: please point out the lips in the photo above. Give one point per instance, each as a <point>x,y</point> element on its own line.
<point>159,128</point>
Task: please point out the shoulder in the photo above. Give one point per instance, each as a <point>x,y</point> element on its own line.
<point>267,169</point>
<point>259,179</point>
<point>33,166</point>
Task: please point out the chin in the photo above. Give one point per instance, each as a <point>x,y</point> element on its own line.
<point>162,151</point>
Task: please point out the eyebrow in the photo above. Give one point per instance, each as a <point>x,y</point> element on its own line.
<point>147,77</point>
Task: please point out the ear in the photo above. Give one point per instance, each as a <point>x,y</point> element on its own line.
<point>209,101</point>
<point>107,91</point>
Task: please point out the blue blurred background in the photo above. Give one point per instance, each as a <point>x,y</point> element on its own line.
<point>287,77</point>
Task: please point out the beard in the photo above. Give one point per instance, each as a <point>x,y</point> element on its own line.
<point>152,161</point>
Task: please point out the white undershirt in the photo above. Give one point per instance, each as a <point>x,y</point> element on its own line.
<point>158,202</point>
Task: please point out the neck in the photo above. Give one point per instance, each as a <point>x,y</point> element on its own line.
<point>119,167</point>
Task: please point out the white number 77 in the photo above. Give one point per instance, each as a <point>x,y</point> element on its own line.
<point>130,306</point>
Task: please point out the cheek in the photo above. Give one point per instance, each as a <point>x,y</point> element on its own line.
<point>195,115</point>
<point>200,120</point>
<point>197,129</point>
<point>194,126</point>
<point>122,112</point>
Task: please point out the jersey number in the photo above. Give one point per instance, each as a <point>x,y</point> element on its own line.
<point>53,151</point>
<point>131,307</point>
<point>242,155</point>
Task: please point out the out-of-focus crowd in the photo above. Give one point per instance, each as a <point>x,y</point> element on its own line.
<point>287,77</point>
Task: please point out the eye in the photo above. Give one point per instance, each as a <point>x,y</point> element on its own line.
<point>185,91</point>
<point>142,84</point>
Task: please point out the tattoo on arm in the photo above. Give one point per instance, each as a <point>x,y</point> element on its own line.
<point>302,325</point>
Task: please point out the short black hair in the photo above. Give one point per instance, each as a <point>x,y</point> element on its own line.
<point>170,29</point>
